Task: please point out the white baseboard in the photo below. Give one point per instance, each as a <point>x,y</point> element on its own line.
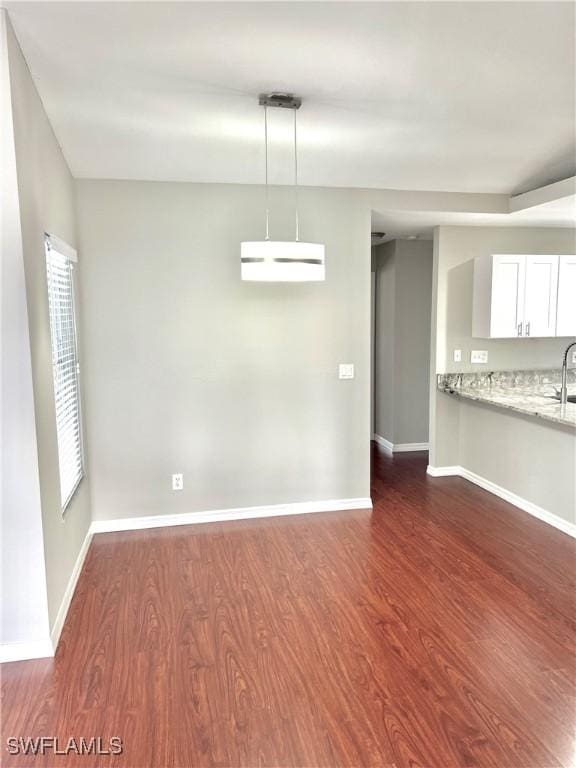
<point>38,649</point>
<point>443,471</point>
<point>41,649</point>
<point>518,501</point>
<point>399,447</point>
<point>222,515</point>
<point>383,443</point>
<point>406,447</point>
<point>503,493</point>
<point>68,594</point>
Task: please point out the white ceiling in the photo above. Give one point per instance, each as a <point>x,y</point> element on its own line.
<point>550,206</point>
<point>427,96</point>
<point>401,224</point>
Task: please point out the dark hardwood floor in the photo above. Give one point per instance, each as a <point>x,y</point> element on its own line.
<point>436,630</point>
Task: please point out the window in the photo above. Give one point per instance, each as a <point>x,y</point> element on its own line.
<point>60,260</point>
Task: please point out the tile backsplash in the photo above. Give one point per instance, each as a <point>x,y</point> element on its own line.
<point>504,379</point>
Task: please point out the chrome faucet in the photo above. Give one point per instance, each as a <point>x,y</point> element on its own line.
<point>564,385</point>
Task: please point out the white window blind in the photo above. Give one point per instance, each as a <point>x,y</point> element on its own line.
<point>59,268</point>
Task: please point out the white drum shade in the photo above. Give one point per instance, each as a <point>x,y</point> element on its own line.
<point>275,261</point>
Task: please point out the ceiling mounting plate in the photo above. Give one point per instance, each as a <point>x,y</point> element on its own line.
<point>284,100</point>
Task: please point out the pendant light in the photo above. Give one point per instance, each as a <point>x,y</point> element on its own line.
<point>276,260</point>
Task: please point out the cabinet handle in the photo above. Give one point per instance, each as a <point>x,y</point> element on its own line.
<point>519,329</point>
<point>528,328</point>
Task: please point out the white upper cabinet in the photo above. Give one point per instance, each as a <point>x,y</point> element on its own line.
<point>520,295</point>
<point>566,325</point>
<point>507,305</point>
<point>540,295</point>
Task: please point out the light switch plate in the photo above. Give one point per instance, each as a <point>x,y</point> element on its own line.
<point>346,371</point>
<point>479,356</point>
<point>457,355</point>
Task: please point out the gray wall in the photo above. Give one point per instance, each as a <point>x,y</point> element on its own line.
<point>413,301</point>
<point>46,195</point>
<point>532,458</point>
<point>191,370</point>
<point>403,306</point>
<point>384,363</point>
<point>24,616</point>
<point>529,457</point>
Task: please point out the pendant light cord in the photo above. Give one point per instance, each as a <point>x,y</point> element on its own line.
<point>296,175</point>
<point>267,191</point>
<point>296,221</point>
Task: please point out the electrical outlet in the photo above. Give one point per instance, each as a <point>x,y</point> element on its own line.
<point>479,356</point>
<point>346,371</point>
<point>177,482</point>
<point>457,355</point>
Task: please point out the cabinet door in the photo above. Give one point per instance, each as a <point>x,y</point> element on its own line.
<point>507,309</point>
<point>541,295</point>
<point>566,324</point>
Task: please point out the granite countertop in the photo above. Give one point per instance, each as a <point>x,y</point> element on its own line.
<point>527,392</point>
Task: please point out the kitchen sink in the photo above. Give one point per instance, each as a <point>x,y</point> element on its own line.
<point>571,398</point>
